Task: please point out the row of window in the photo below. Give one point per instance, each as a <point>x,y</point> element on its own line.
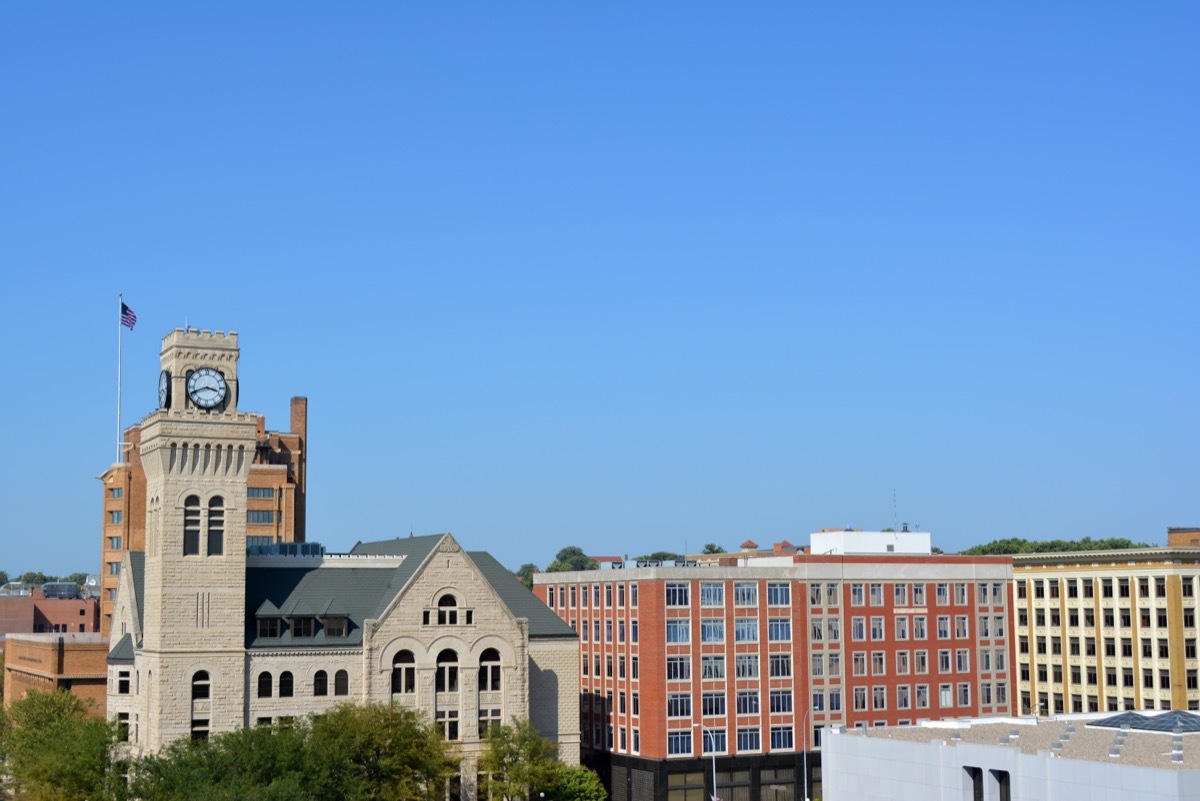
<point>958,661</point>
<point>1158,618</point>
<point>989,626</point>
<point>608,670</point>
<point>446,678</point>
<point>303,626</point>
<point>712,704</point>
<point>713,594</point>
<point>712,666</point>
<point>712,630</point>
<point>1109,588</point>
<point>608,630</point>
<point>286,685</point>
<point>1086,646</point>
<point>1078,674</point>
<point>560,597</point>
<point>875,698</point>
<point>715,740</point>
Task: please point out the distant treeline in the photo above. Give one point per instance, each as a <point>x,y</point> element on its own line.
<point>1016,545</point>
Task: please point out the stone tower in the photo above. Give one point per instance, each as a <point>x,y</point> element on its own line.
<point>196,450</point>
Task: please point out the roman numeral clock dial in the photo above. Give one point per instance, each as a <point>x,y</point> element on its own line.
<point>206,387</point>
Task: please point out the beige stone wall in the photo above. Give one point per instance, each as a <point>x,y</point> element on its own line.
<point>554,694</point>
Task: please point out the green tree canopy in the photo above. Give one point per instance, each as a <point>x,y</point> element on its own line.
<point>3,577</point>
<point>1017,545</point>
<point>578,783</point>
<point>572,558</point>
<point>525,574</point>
<point>518,761</point>
<point>666,556</point>
<point>57,751</point>
<point>712,547</point>
<point>35,577</point>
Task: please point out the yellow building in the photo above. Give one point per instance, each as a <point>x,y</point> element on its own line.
<point>1107,630</point>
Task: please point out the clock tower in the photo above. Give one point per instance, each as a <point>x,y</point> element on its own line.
<point>196,450</point>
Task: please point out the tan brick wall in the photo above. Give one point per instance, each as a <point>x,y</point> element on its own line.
<point>554,674</point>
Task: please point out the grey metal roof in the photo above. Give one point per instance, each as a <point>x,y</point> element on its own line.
<point>123,651</point>
<point>520,601</point>
<point>1175,720</point>
<point>137,564</point>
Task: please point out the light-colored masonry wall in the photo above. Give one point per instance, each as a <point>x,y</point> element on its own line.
<point>554,674</point>
<point>303,664</point>
<point>873,769</point>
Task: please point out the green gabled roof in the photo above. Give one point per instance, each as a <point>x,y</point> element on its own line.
<point>122,652</point>
<point>400,546</point>
<point>519,600</point>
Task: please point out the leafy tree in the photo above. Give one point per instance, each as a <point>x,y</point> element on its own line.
<point>1,688</point>
<point>3,577</point>
<point>76,578</point>
<point>525,574</point>
<point>665,556</point>
<point>712,547</point>
<point>572,558</point>
<point>35,577</point>
<point>56,751</point>
<point>577,783</point>
<point>518,761</point>
<point>374,752</point>
<point>1017,545</point>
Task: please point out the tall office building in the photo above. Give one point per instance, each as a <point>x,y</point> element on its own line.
<point>747,658</point>
<point>274,508</point>
<point>1108,630</point>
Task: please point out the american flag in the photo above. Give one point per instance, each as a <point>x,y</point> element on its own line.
<point>128,318</point>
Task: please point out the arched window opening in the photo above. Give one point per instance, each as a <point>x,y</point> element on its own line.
<point>404,673</point>
<point>285,684</point>
<point>216,526</point>
<point>321,683</point>
<point>191,526</point>
<point>446,680</point>
<point>489,670</point>
<point>201,685</point>
<point>264,685</point>
<point>341,683</point>
<point>447,610</point>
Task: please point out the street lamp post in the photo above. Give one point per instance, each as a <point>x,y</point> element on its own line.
<point>714,756</point>
<point>804,753</point>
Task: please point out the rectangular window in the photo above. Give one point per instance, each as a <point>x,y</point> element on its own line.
<point>818,629</point>
<point>960,594</point>
<point>943,627</point>
<point>902,663</point>
<point>878,663</point>
<point>712,630</point>
<point>781,738</point>
<point>747,666</point>
<point>114,543</point>
<point>858,628</point>
<point>781,665</point>
<point>835,700</point>
<point>900,594</point>
<point>833,630</point>
<point>114,568</point>
<point>814,594</point>
<point>860,699</point>
<point>781,700</point>
<point>677,595</point>
<point>713,741</point>
<point>678,631</point>
<point>918,594</point>
<point>679,705</point>
<point>779,629</point>
<point>963,661</point>
<point>260,492</point>
<point>749,740</point>
<point>943,594</point>
<point>117,492</point>
<point>633,630</point>
<point>922,696</point>
<point>712,667</point>
<point>679,742</point>
<point>679,668</point>
<point>745,629</point>
<point>747,702</point>
<point>964,694</point>
<point>856,595</point>
<point>712,594</point>
<point>919,631</point>
<point>115,517</point>
<point>879,698</point>
<point>876,595</point>
<point>817,665</point>
<point>745,594</point>
<point>877,628</point>
<point>712,704</point>
<point>960,627</point>
<point>780,594</point>
<point>902,627</point>
<point>818,701</point>
<point>260,516</point>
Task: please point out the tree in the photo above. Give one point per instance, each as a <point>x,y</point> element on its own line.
<point>56,751</point>
<point>3,577</point>
<point>77,578</point>
<point>665,556</point>
<point>572,558</point>
<point>578,783</point>
<point>525,574</point>
<point>35,577</point>
<point>1017,545</point>
<point>518,761</point>
<point>712,547</point>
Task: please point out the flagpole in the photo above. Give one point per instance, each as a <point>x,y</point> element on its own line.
<point>120,310</point>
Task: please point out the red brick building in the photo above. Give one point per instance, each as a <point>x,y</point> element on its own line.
<point>747,661</point>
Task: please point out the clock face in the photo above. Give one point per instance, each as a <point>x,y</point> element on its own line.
<point>164,389</point>
<point>206,387</point>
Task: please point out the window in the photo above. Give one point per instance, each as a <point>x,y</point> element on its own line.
<point>679,705</point>
<point>712,595</point>
<point>285,684</point>
<point>964,694</point>
<point>856,595</point>
<point>260,492</point>
<point>814,594</point>
<point>749,740</point>
<point>712,667</point>
<point>781,665</point>
<point>833,629</point>
<point>960,594</point>
<point>713,741</point>
<point>679,742</point>
<point>191,526</point>
<point>902,627</point>
<point>114,568</point>
<point>117,492</point>
<point>677,595</point>
<point>818,629</point>
<point>922,696</point>
<point>963,660</point>
<point>746,666</point>
<point>943,627</point>
<point>879,698</point>
<point>835,664</point>
<point>919,632</point>
<point>960,627</point>
<point>123,727</point>
<point>747,702</point>
<point>447,611</point>
<point>303,626</point>
<point>876,595</point>
<point>781,700</point>
<point>779,629</point>
<point>900,594</point>
<point>858,663</point>
<point>341,682</point>
<point>678,631</point>
<point>712,630</point>
<point>712,704</point>
<point>817,667</point>
<point>202,686</point>
<point>902,663</point>
<point>115,517</point>
<point>446,678</point>
<point>264,685</point>
<point>336,626</point>
<point>818,701</point>
<point>858,628</point>
<point>745,594</point>
<point>679,668</point>
<point>835,700</point>
<point>216,526</point>
<point>633,631</point>
<point>489,670</point>
<point>114,543</point>
<point>321,682</point>
<point>878,666</point>
<point>781,594</point>
<point>260,516</point>
<point>877,628</point>
<point>447,721</point>
<point>745,629</point>
<point>944,661</point>
<point>946,695</point>
<point>781,737</point>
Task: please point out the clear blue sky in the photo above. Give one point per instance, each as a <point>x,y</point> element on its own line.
<point>629,276</point>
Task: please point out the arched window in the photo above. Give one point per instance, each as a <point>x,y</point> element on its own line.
<point>489,670</point>
<point>447,610</point>
<point>446,680</point>
<point>191,526</point>
<point>341,683</point>
<point>404,673</point>
<point>321,683</point>
<point>216,526</point>
<point>201,686</point>
<point>285,684</point>
<point>264,685</point>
